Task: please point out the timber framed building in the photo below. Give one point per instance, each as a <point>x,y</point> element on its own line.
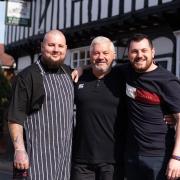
<point>82,20</point>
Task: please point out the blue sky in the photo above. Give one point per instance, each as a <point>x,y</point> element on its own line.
<point>2,19</point>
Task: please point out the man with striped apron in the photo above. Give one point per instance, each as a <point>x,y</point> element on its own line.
<point>42,106</point>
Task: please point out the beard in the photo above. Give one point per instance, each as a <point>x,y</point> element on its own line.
<point>52,64</point>
<point>143,68</point>
<point>101,69</point>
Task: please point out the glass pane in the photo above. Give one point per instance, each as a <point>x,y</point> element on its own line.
<point>75,56</point>
<point>75,64</point>
<point>88,62</point>
<point>82,54</point>
<point>88,54</point>
<point>163,63</point>
<point>81,63</point>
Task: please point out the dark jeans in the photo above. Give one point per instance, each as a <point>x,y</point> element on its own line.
<point>146,167</point>
<point>101,171</point>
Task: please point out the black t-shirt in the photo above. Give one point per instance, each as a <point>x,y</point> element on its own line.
<point>150,96</point>
<point>99,132</point>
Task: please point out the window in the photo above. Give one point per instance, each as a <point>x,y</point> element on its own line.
<point>80,57</point>
<point>165,62</point>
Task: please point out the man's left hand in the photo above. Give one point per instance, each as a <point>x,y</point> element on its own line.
<point>173,170</point>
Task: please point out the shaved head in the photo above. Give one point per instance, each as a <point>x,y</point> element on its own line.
<point>53,48</point>
<point>54,32</point>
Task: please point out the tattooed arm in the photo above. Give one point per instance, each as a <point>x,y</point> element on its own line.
<point>173,169</point>
<point>21,160</point>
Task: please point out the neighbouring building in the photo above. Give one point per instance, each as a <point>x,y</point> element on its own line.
<point>82,20</point>
<point>7,65</point>
<point>6,60</point>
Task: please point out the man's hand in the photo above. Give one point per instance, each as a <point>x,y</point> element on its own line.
<point>76,73</point>
<point>173,170</point>
<point>21,160</point>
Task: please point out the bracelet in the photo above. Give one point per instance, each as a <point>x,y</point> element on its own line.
<point>175,157</point>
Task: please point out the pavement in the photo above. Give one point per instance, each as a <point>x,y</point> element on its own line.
<point>6,165</point>
<point>6,154</point>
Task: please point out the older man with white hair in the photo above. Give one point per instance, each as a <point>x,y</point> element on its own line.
<point>97,150</point>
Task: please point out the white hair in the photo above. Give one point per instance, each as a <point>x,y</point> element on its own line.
<point>100,40</point>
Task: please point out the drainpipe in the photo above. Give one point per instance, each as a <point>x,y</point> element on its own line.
<point>177,35</point>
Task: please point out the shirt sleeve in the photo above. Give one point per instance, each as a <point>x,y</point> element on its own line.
<point>171,94</point>
<point>17,111</point>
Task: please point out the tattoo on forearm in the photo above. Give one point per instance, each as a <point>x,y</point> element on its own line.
<point>18,143</point>
<point>16,140</point>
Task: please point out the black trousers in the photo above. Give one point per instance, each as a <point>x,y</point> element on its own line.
<point>146,167</point>
<point>100,171</point>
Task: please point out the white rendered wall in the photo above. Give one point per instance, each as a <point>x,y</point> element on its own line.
<point>23,62</point>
